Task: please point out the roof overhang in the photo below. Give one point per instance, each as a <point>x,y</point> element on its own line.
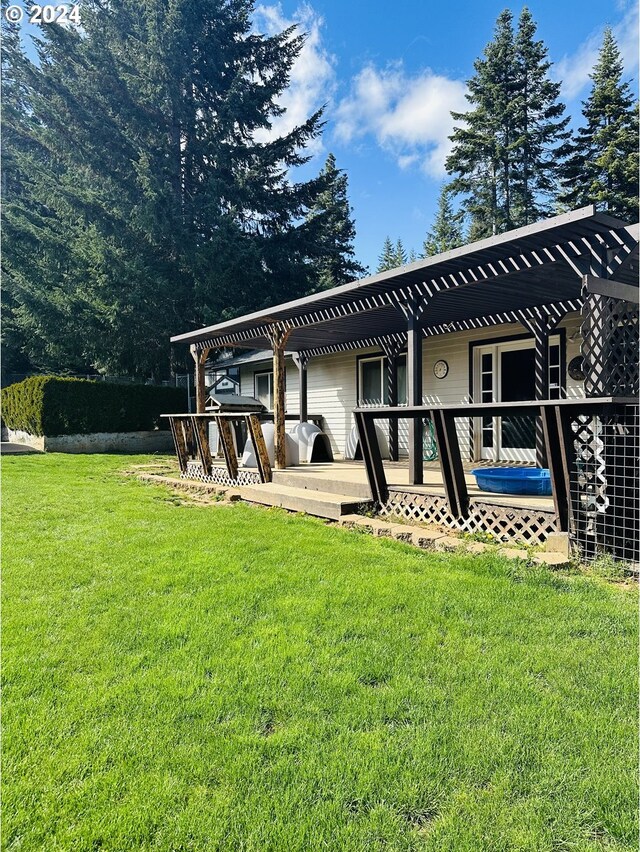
<point>483,283</point>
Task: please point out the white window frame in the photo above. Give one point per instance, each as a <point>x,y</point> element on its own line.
<point>496,452</point>
<point>269,375</point>
<point>368,360</point>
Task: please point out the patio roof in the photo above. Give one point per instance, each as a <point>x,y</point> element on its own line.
<point>483,283</point>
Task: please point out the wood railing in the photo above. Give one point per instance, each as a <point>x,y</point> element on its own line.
<point>191,440</point>
<point>556,418</point>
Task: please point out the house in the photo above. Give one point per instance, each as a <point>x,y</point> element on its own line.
<point>545,316</point>
<point>491,363</point>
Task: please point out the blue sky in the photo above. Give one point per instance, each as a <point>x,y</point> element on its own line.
<point>390,74</point>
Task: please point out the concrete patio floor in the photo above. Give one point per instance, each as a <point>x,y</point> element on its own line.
<point>353,477</point>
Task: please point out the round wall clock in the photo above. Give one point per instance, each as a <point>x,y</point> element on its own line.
<point>440,369</point>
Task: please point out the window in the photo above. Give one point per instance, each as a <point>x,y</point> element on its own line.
<point>263,389</point>
<point>402,380</point>
<point>555,377</point>
<point>373,381</point>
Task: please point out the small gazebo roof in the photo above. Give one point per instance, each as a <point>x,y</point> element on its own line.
<point>482,283</point>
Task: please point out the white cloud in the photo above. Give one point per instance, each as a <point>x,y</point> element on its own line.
<point>312,79</point>
<point>409,116</point>
<point>574,69</point>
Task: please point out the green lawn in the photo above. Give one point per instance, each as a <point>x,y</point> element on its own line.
<point>182,677</point>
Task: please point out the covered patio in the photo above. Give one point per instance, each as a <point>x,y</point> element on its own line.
<point>582,261</point>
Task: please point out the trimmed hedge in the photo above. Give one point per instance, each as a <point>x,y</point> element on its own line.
<point>50,405</point>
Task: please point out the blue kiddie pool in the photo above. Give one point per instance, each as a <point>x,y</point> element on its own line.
<point>514,480</point>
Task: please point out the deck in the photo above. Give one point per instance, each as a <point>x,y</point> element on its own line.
<point>352,475</point>
<point>349,479</point>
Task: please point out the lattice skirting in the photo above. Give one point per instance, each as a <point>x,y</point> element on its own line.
<point>219,475</point>
<point>529,526</point>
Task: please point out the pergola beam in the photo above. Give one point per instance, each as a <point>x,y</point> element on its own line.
<point>613,289</point>
<point>583,256</point>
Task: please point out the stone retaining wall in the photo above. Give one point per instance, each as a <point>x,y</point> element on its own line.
<point>97,442</point>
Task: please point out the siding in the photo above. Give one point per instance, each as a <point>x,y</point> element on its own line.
<point>332,379</point>
<point>247,387</point>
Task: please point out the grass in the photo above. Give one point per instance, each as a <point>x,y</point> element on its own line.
<point>187,677</point>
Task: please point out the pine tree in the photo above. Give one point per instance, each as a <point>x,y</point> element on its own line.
<point>337,230</point>
<point>482,147</point>
<point>394,255</point>
<point>387,259</point>
<point>504,156</point>
<point>400,254</point>
<point>447,231</point>
<point>539,126</point>
<point>602,157</point>
<point>150,206</point>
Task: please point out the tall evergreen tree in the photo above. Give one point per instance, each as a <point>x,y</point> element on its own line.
<point>337,230</point>
<point>480,158</point>
<point>539,125</point>
<point>503,157</point>
<point>149,206</point>
<point>602,157</point>
<point>447,231</point>
<point>387,259</point>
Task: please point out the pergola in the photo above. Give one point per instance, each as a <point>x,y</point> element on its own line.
<point>533,276</point>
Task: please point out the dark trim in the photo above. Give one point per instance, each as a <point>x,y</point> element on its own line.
<point>612,289</point>
<point>508,338</point>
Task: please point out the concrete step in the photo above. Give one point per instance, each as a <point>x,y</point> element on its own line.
<point>321,503</point>
<point>299,479</point>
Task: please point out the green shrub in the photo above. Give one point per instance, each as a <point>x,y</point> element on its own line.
<point>50,405</point>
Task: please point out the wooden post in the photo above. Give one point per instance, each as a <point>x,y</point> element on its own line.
<point>392,379</point>
<point>228,448</point>
<point>392,349</point>
<point>540,322</point>
<point>371,457</point>
<point>414,394</point>
<point>200,358</point>
<point>201,437</point>
<point>301,360</point>
<point>279,335</point>
<point>451,467</point>
<point>541,384</point>
<point>254,431</point>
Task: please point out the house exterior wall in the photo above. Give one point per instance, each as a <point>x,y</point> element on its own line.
<point>332,380</point>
